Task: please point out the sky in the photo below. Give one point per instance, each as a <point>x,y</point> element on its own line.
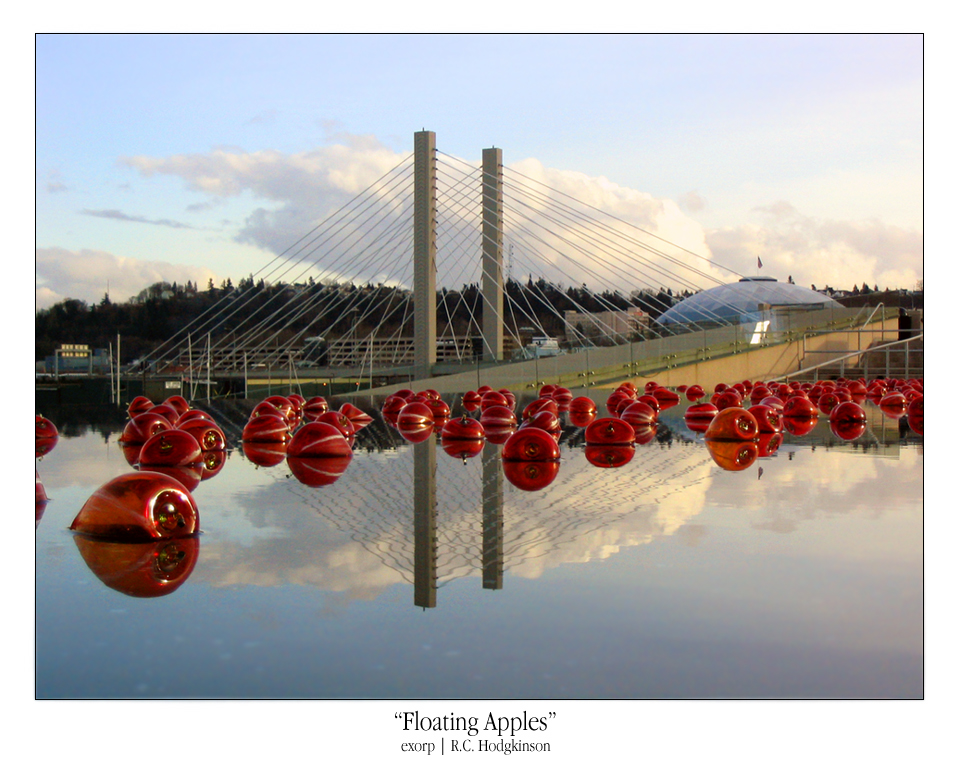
<point>185,156</point>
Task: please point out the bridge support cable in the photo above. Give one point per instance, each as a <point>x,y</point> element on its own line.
<point>616,248</point>
<point>561,238</point>
<point>229,308</point>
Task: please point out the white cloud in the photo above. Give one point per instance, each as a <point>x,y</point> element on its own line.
<point>86,275</point>
<point>841,254</point>
<point>300,189</point>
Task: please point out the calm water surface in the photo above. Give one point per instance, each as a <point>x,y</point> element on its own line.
<point>416,575</point>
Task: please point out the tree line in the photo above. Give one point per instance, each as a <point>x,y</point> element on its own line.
<point>335,310</point>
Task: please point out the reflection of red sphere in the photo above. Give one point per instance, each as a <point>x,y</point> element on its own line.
<point>695,393</point>
<point>318,471</point>
<point>44,446</point>
<point>499,434</point>
<point>531,476</point>
<point>266,429</point>
<point>847,430</point>
<point>213,461</point>
<point>141,570</point>
<point>733,455</point>
<point>733,424</point>
<point>769,419</point>
<point>139,506</point>
<point>768,443</point>
<point>171,448</point>
<point>608,431</point>
<point>703,411</point>
<point>319,439</point>
<point>531,445</point>
<point>609,456</point>
<point>265,454</point>
<point>581,419</point>
<point>416,432</point>
<point>799,426</point>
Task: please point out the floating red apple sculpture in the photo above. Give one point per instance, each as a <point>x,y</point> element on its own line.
<point>319,439</point>
<point>848,411</point>
<point>177,402</point>
<point>208,434</point>
<point>609,431</point>
<point>142,427</point>
<point>769,420</point>
<point>46,436</point>
<point>470,401</point>
<point>266,429</point>
<point>314,407</point>
<point>666,398</point>
<point>531,445</point>
<point>638,413</point>
<point>726,399</point>
<point>139,506</point>
<point>356,415</point>
<point>733,424</point>
<point>799,408</point>
<point>172,447</point>
<point>139,405</point>
<point>463,429</point>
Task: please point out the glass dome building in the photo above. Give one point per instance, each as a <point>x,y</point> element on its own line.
<point>750,300</point>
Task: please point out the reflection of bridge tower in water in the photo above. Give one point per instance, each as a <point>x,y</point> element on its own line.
<point>425,539</point>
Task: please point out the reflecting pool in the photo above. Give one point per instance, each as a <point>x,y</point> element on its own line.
<point>415,573</point>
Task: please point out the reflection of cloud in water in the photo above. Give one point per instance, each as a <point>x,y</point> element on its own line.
<point>356,536</point>
<point>824,483</point>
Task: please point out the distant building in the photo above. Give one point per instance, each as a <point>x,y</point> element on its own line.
<point>610,326</point>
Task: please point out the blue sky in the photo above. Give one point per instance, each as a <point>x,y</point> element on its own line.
<point>805,148</point>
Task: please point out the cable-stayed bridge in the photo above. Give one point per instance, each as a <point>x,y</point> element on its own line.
<point>444,268</point>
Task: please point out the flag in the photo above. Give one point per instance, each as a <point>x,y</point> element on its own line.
<point>759,264</point>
